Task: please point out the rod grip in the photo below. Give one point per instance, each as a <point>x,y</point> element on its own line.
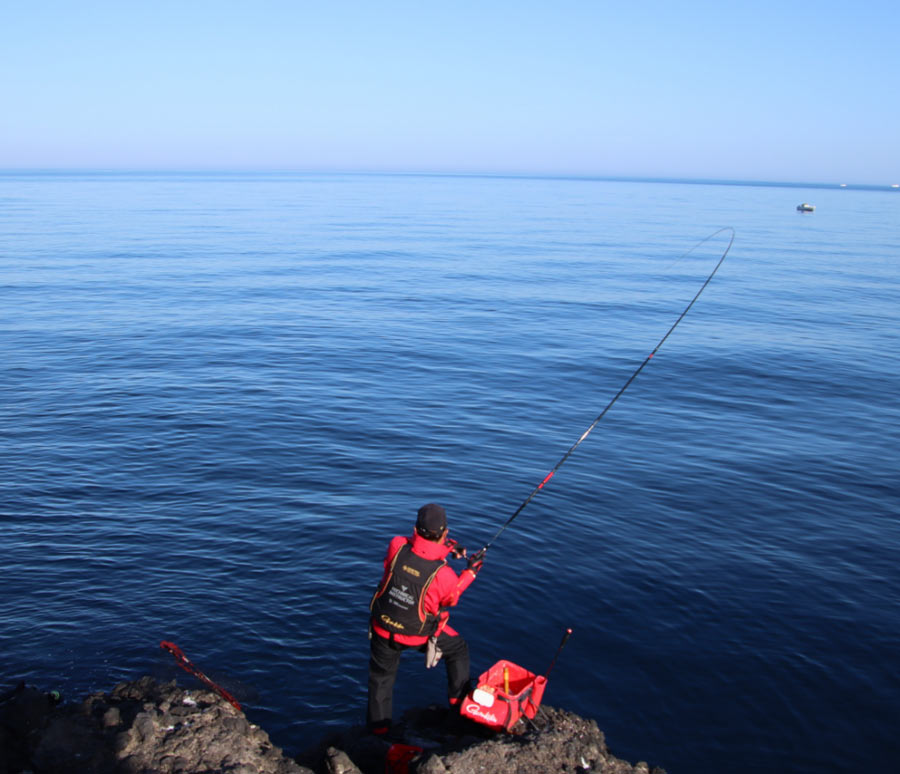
<point>565,639</point>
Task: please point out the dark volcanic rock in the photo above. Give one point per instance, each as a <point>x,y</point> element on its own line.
<point>140,727</point>
<point>556,741</point>
<point>559,742</point>
<point>144,727</point>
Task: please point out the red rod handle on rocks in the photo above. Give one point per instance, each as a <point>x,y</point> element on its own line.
<point>188,666</point>
<point>565,639</point>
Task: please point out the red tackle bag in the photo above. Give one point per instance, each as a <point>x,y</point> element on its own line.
<point>504,694</point>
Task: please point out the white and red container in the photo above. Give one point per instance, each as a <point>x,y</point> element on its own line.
<point>504,694</point>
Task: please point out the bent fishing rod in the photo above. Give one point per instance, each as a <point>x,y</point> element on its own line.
<point>480,554</point>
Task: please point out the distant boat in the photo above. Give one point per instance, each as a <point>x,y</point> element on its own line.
<point>806,207</point>
<point>896,185</point>
<point>843,185</point>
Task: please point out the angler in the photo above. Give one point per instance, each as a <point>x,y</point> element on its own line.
<point>409,606</point>
<point>410,611</point>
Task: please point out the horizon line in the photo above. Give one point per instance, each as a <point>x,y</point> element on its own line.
<point>238,171</point>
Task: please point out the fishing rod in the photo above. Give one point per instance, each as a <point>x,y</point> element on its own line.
<point>586,433</point>
<point>188,666</point>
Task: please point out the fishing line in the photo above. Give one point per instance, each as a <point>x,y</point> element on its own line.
<point>624,387</point>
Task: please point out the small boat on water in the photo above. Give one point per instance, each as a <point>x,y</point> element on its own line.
<point>806,207</point>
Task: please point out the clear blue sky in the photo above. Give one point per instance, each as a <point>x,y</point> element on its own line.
<point>790,91</point>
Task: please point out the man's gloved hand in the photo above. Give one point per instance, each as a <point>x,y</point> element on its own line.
<point>476,562</point>
<point>456,550</point>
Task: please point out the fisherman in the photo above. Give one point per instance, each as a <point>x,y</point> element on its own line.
<point>409,611</point>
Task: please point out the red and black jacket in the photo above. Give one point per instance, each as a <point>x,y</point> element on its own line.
<point>410,603</point>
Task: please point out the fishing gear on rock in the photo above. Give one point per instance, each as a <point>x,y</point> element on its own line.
<point>481,552</point>
<point>188,666</point>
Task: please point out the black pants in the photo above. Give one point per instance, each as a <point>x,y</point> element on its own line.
<point>383,664</point>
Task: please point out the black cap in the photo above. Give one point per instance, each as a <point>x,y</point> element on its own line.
<point>432,519</point>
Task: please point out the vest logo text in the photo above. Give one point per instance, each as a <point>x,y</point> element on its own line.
<point>388,621</point>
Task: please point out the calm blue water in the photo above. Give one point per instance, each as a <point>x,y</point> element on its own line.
<point>222,394</point>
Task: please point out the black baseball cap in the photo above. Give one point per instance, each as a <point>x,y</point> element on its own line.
<point>432,518</point>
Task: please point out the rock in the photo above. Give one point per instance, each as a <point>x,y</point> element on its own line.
<point>24,714</point>
<point>431,765</point>
<point>338,762</point>
<point>112,717</point>
<point>560,741</point>
<point>144,727</point>
<point>141,727</point>
<point>557,741</point>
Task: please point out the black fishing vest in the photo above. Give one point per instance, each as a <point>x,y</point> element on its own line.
<point>399,604</point>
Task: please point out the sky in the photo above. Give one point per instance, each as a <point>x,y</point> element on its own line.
<point>774,91</point>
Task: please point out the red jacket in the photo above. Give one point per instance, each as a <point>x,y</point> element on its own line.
<point>444,590</point>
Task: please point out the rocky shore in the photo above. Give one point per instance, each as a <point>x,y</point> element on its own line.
<point>146,727</point>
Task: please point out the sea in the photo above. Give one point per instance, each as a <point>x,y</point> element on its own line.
<point>222,394</point>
